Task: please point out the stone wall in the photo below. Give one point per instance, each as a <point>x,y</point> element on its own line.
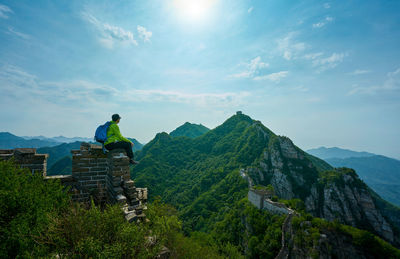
<point>26,158</point>
<point>259,198</point>
<point>105,178</point>
<point>256,198</point>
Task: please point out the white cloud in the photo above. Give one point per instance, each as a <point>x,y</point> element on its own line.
<point>24,36</point>
<point>274,77</point>
<point>19,85</point>
<point>318,25</point>
<point>226,99</point>
<point>391,83</point>
<point>324,63</point>
<point>313,56</point>
<point>252,68</point>
<point>359,72</point>
<point>250,9</point>
<point>144,33</point>
<point>327,6</point>
<point>289,48</point>
<point>4,11</point>
<point>321,24</point>
<point>109,34</point>
<point>301,88</point>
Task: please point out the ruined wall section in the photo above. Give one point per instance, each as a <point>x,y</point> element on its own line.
<point>26,158</point>
<point>103,177</point>
<point>106,178</point>
<point>261,200</point>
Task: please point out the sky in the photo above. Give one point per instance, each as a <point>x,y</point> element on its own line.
<point>320,73</point>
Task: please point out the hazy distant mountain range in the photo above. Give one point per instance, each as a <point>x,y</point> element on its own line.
<point>324,152</point>
<point>60,139</point>
<point>381,173</point>
<point>8,140</point>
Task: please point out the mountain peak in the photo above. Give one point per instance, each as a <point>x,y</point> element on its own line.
<point>189,130</point>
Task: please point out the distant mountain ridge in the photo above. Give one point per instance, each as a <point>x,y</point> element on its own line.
<point>189,130</point>
<point>60,139</point>
<point>324,152</point>
<point>10,141</point>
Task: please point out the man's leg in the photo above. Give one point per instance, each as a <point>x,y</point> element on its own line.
<point>121,144</point>
<point>128,148</point>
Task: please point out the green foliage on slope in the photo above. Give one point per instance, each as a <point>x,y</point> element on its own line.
<point>27,203</point>
<point>37,219</point>
<point>189,130</point>
<point>315,236</point>
<point>63,166</point>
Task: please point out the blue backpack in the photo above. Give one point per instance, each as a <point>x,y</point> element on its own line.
<point>101,133</point>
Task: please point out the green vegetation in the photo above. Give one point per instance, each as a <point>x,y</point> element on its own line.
<point>311,233</point>
<point>189,130</point>
<point>37,219</point>
<point>255,232</point>
<point>27,203</point>
<point>200,177</point>
<point>62,166</point>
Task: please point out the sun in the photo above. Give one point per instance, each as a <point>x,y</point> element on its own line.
<point>194,11</point>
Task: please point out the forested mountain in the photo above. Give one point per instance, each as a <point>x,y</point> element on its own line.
<point>189,130</point>
<point>201,178</point>
<point>9,141</point>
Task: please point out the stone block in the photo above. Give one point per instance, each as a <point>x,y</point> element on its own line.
<point>118,190</point>
<point>129,184</point>
<point>131,217</point>
<point>134,202</point>
<point>121,199</point>
<point>118,173</point>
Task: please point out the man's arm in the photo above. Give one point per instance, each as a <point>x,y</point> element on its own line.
<point>119,135</point>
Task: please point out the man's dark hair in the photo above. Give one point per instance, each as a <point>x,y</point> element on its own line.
<point>115,117</point>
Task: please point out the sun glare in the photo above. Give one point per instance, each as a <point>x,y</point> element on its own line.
<point>194,10</point>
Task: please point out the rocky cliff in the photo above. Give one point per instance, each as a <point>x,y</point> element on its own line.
<point>327,192</point>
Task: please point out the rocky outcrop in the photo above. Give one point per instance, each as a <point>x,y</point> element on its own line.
<point>344,197</point>
<point>348,200</point>
<point>327,244</point>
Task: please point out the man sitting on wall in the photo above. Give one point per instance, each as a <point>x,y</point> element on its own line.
<point>116,140</point>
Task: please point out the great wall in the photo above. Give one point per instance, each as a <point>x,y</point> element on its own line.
<point>105,178</point>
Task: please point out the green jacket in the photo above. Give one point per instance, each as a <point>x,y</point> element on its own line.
<point>114,135</point>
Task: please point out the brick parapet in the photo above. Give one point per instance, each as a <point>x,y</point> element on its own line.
<point>26,158</point>
<point>106,178</point>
